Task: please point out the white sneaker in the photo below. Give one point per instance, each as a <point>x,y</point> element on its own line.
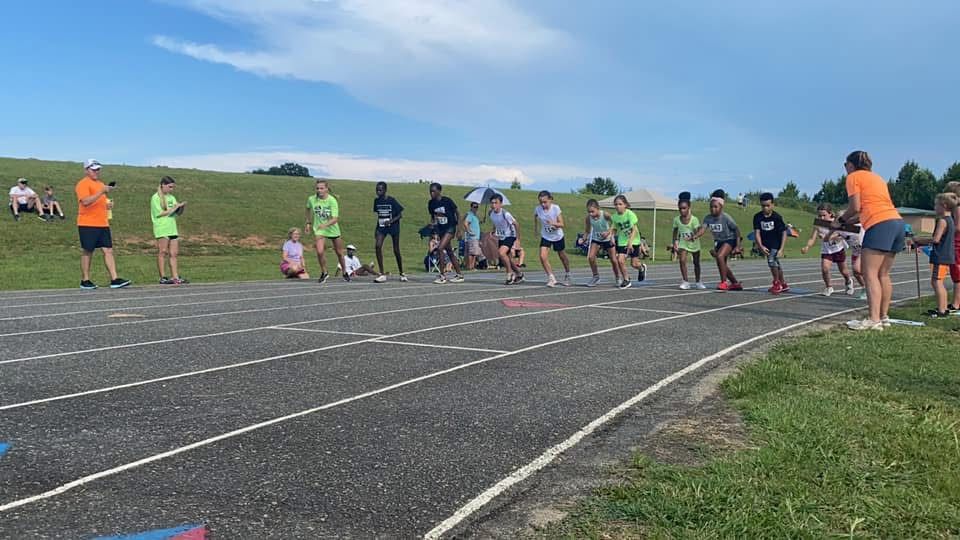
<point>593,281</point>
<point>851,290</point>
<point>684,285</point>
<point>551,281</point>
<point>457,279</point>
<point>440,280</point>
<point>701,286</point>
<point>626,284</point>
<point>566,280</point>
<point>827,291</point>
<point>403,278</point>
<point>885,321</point>
<point>382,278</point>
<point>865,324</point>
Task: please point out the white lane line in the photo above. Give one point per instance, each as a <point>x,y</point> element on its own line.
<point>317,331</point>
<point>551,453</point>
<point>485,299</point>
<point>239,312</point>
<point>319,292</point>
<point>293,354</point>
<point>171,294</point>
<point>205,442</point>
<point>642,309</point>
<point>433,346</point>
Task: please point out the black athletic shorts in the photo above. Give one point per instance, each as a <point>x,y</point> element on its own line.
<point>508,241</point>
<point>393,230</point>
<point>636,251</point>
<point>92,238</point>
<point>446,230</point>
<point>604,244</point>
<point>559,245</point>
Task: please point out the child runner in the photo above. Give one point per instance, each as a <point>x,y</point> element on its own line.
<point>684,228</point>
<point>942,252</point>
<point>444,217</point>
<point>507,231</point>
<point>954,187</point>
<point>833,249</point>
<point>771,234</point>
<point>389,212</point>
<point>551,236</point>
<point>164,210</point>
<point>598,227</point>
<point>855,241</point>
<point>50,203</point>
<point>726,240</point>
<point>292,265</point>
<point>625,222</point>
<point>324,210</point>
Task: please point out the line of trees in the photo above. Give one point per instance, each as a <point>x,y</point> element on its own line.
<point>914,186</point>
<point>287,169</point>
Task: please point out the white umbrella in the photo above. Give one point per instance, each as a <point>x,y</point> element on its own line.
<point>482,195</point>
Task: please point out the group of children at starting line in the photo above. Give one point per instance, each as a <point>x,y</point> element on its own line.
<point>613,232</point>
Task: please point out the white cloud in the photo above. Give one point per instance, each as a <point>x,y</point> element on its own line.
<point>333,165</point>
<point>378,48</point>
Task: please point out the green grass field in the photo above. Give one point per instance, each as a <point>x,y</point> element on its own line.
<point>235,223</point>
<point>847,437</point>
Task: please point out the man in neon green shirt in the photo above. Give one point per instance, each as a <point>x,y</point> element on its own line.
<point>323,214</point>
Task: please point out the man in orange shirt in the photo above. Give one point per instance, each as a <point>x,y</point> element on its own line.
<point>94,226</point>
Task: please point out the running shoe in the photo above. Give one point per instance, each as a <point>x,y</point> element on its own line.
<point>441,280</point>
<point>62,217</point>
<point>723,286</point>
<point>952,309</point>
<point>88,285</point>
<point>684,285</point>
<point>457,279</point>
<point>42,218</point>
<point>776,288</point>
<point>180,281</point>
<point>850,290</point>
<point>166,281</point>
<point>784,287</point>
<point>593,281</point>
<point>551,281</point>
<point>16,217</point>
<point>509,280</point>
<point>827,291</point>
<point>382,278</point>
<point>939,314</point>
<point>863,295</point>
<point>566,280</point>
<point>642,272</point>
<point>519,279</point>
<point>701,286</point>
<point>735,286</point>
<point>885,321</point>
<point>404,278</point>
<point>865,324</point>
<point>119,283</point>
<point>625,284</point>
<point>323,278</point>
<point>347,278</point>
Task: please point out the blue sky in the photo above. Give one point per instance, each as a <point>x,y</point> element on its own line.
<point>743,94</point>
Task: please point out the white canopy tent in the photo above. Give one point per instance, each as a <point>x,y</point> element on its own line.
<point>645,199</point>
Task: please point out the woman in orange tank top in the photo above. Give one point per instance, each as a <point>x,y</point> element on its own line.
<point>871,205</point>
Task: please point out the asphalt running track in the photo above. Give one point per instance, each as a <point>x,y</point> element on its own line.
<point>295,410</point>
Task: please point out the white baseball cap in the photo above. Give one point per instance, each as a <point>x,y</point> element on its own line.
<point>351,247</point>
<point>91,164</point>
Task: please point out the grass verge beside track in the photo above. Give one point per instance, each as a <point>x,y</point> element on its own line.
<point>849,435</point>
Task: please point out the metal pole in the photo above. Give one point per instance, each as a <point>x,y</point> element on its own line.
<point>653,251</point>
<point>916,253</point>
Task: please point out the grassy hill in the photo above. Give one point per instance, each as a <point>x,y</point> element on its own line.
<point>235,223</point>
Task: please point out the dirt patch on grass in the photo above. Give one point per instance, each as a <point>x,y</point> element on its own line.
<point>203,240</point>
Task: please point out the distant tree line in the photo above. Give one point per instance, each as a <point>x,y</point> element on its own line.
<point>287,169</point>
<point>914,186</point>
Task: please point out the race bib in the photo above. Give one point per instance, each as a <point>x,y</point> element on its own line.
<point>322,213</point>
<point>383,222</point>
<point>716,227</point>
<point>441,220</point>
<point>686,236</point>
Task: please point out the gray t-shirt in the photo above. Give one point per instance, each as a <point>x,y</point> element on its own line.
<point>723,227</point>
<point>943,252</point>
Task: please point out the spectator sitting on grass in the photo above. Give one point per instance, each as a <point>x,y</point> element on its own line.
<point>50,203</point>
<point>24,200</point>
<point>354,267</point>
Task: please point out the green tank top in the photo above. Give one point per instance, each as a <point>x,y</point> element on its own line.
<point>598,226</point>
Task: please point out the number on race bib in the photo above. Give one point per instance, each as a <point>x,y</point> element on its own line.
<point>441,220</point>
